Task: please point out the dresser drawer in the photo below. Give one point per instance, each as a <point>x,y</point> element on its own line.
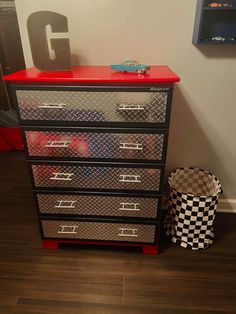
<point>98,205</point>
<point>148,105</point>
<point>105,144</point>
<point>85,176</point>
<point>111,231</point>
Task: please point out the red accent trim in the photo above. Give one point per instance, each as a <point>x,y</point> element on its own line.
<point>50,244</point>
<point>4,145</point>
<point>94,75</point>
<point>150,249</point>
<point>147,248</point>
<point>11,139</point>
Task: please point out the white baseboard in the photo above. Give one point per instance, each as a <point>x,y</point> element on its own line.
<point>227,206</point>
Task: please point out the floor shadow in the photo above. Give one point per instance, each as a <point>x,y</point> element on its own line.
<point>103,248</point>
<point>224,226</point>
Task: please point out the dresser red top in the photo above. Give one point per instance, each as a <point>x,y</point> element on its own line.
<point>93,75</point>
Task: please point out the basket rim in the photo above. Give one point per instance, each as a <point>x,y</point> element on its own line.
<point>200,170</point>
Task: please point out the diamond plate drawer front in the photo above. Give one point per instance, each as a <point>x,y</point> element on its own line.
<point>95,145</point>
<point>98,231</point>
<point>103,106</point>
<point>75,176</point>
<point>97,205</point>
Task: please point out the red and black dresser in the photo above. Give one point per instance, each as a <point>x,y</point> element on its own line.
<point>96,143</point>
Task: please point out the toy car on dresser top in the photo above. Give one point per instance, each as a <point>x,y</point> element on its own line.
<point>131,66</point>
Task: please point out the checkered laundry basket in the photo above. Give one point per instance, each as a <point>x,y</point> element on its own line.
<point>193,199</point>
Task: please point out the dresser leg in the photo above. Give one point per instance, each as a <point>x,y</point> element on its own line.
<point>50,244</point>
<point>150,249</point>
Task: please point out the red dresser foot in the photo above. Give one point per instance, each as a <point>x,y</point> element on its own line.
<point>150,249</point>
<point>51,244</point>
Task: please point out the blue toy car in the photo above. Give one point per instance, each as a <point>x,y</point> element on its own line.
<point>131,66</point>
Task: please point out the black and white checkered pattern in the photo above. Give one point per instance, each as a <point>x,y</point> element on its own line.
<point>193,200</point>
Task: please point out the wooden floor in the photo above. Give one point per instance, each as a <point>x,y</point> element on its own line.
<point>92,280</point>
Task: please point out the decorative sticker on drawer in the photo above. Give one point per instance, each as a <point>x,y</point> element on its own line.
<point>97,177</point>
<point>98,205</point>
<point>95,145</point>
<point>99,231</point>
<point>103,106</point>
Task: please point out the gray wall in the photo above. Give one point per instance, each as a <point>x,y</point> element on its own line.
<point>160,32</point>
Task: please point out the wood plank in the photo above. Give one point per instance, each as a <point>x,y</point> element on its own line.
<point>57,306</point>
<point>194,293</point>
<point>7,303</point>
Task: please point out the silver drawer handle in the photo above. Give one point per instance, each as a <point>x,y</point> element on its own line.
<point>62,176</point>
<point>132,146</point>
<point>127,232</point>
<point>129,178</point>
<point>130,207</point>
<point>67,229</point>
<point>52,105</point>
<point>58,144</point>
<point>65,204</point>
<point>126,107</point>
